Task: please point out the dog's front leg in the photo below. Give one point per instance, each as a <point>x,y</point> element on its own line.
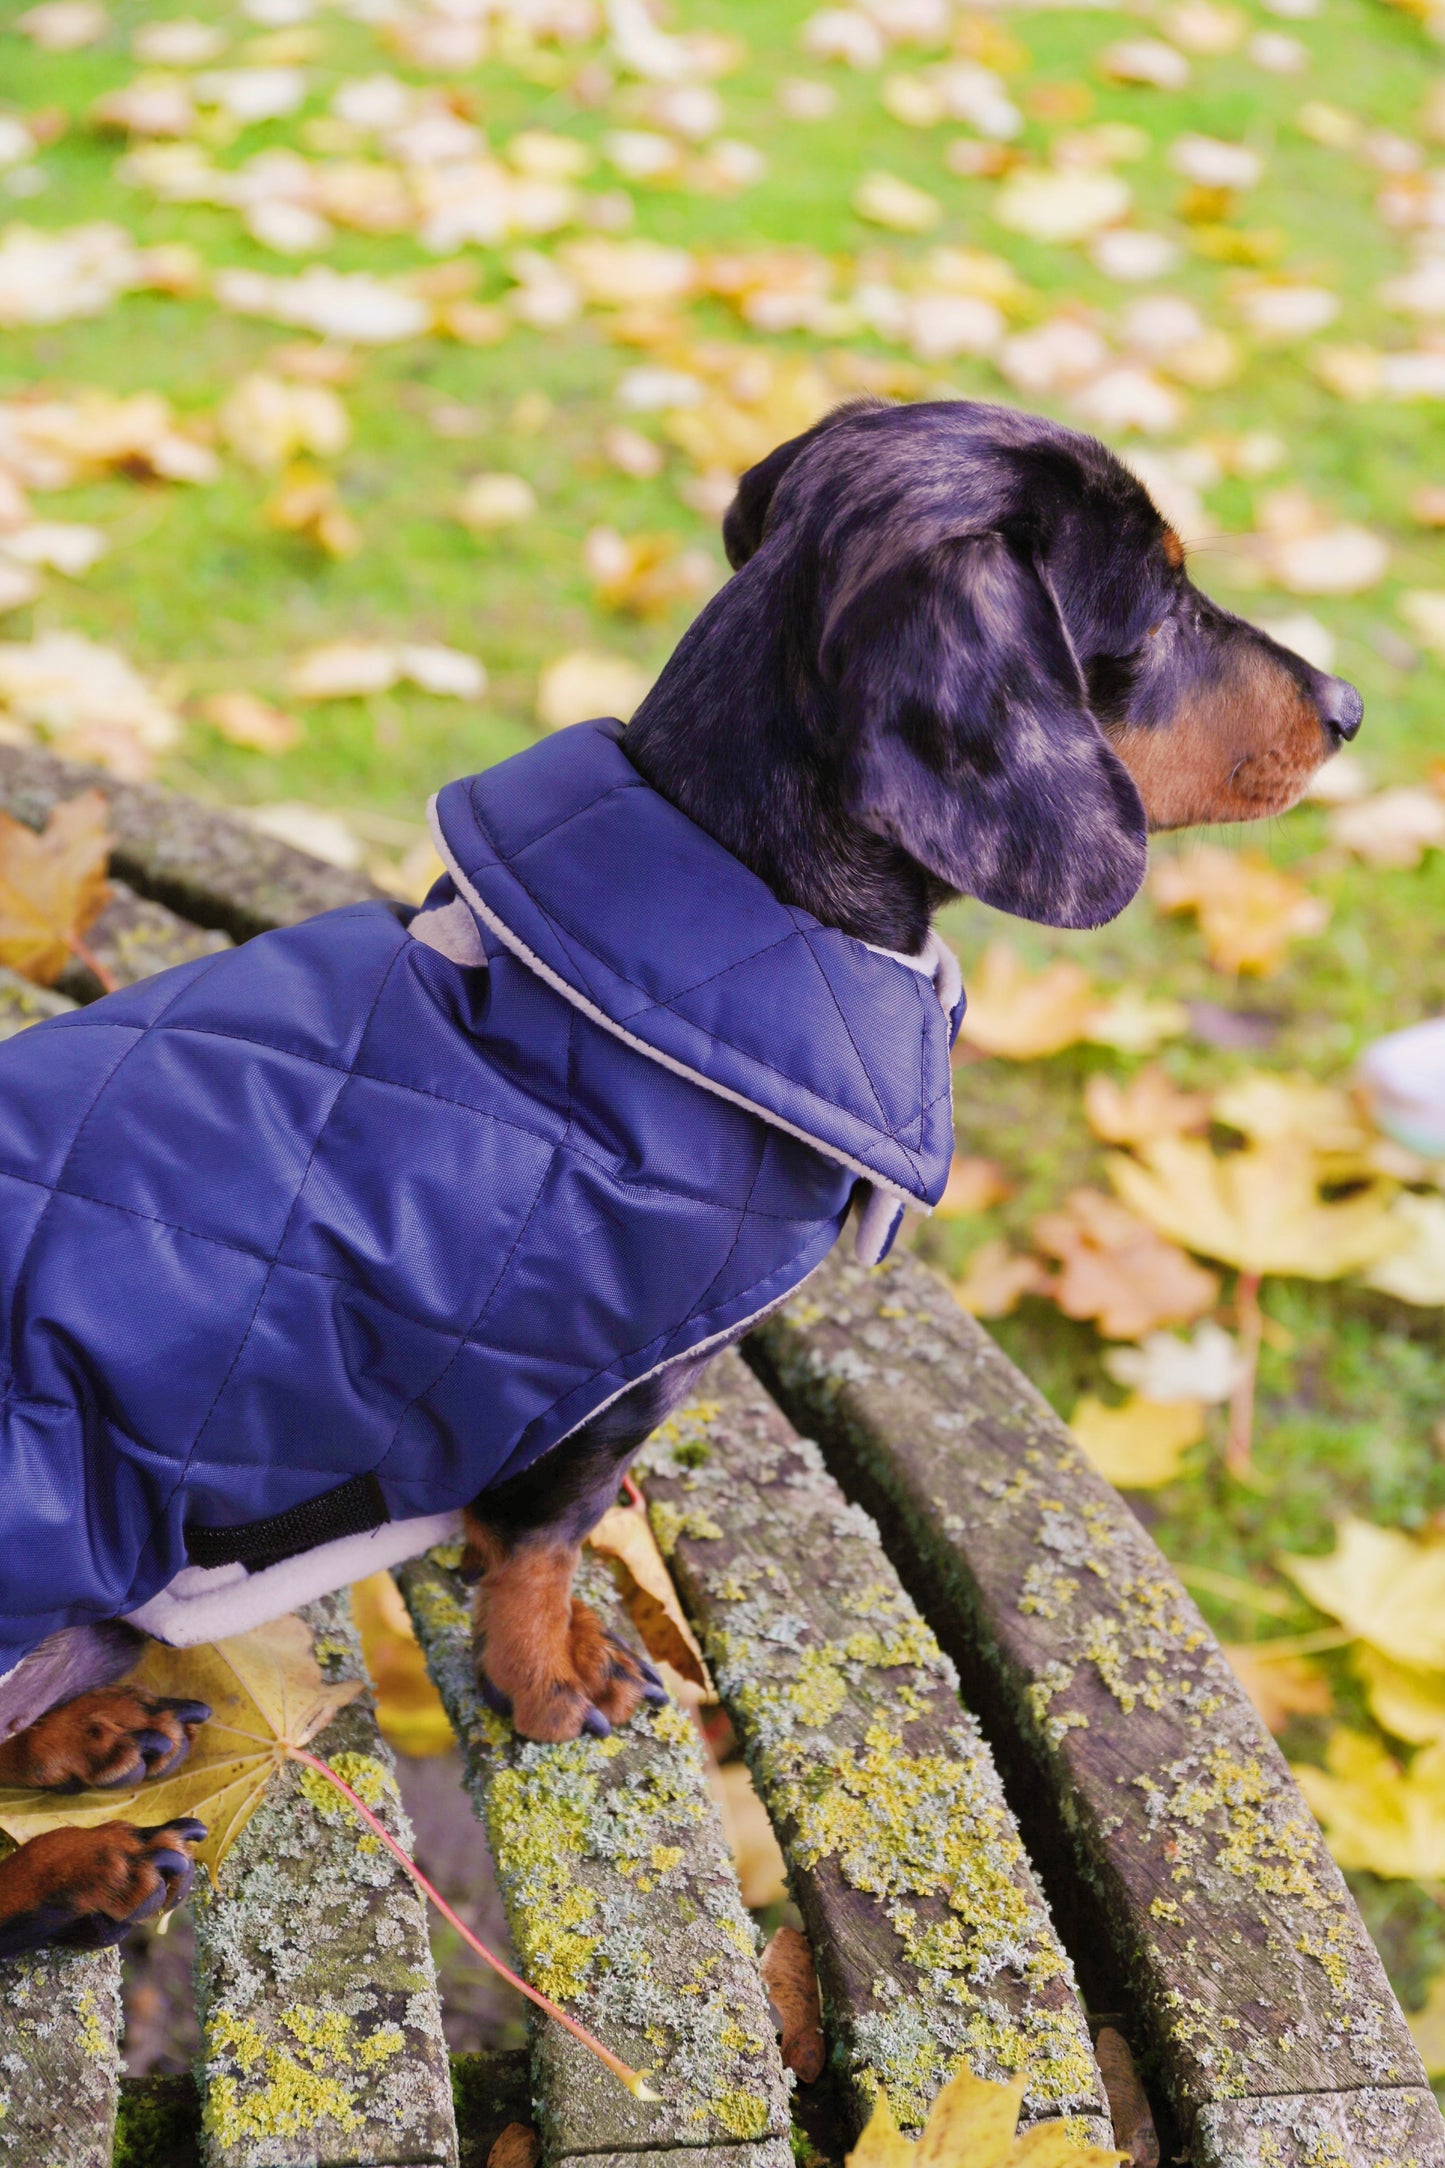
<point>543,1656</point>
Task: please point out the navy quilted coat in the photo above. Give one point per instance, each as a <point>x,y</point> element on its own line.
<point>345,1213</point>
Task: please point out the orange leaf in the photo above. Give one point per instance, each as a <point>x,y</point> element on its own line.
<point>792,1985</point>
<point>1118,1271</point>
<point>647,1592</point>
<point>52,885</point>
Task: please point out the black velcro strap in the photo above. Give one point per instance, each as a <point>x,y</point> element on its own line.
<point>349,1510</point>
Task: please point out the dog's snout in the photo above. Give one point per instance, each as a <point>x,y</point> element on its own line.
<point>1341,710</point>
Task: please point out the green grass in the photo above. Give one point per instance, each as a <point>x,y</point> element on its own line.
<point>197,588</point>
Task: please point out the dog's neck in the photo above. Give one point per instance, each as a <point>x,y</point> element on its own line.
<point>738,733</point>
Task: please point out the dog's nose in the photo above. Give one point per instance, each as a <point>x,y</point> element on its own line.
<point>1341,710</point>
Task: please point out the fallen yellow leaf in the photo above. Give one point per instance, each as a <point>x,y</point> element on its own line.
<point>408,1707</point>
<point>1023,1015</point>
<point>972,2124</point>
<point>1407,1702</point>
<point>885,200</point>
<point>757,1856</point>
<point>1140,1445</point>
<point>995,1278</point>
<point>1428,2028</point>
<point>244,720</point>
<point>1386,1587</point>
<point>266,1694</point>
<point>1248,910</point>
<point>52,885</point>
<point>1416,1271</point>
<point>1377,1816</point>
<point>1148,1106</point>
<point>1279,1686</point>
<point>974,1185</point>
<point>1258,1209</point>
<point>1266,1106</point>
<point>649,1597</point>
<point>578,687</point>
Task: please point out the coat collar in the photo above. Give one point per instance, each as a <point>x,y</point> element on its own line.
<point>639,918</point>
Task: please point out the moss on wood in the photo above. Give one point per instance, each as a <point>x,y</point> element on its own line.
<point>622,1905</point>
<point>59,2059</point>
<point>320,2025</point>
<point>932,1940</point>
<point>1250,1970</point>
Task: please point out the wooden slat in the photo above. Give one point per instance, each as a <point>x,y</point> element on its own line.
<point>134,937</point>
<point>23,1003</point>
<point>320,2025</point>
<point>59,2060</point>
<point>211,868</point>
<point>932,1942</point>
<point>1251,1973</point>
<point>623,1907</point>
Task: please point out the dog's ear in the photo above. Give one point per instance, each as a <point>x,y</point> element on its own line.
<point>747,515</point>
<point>967,737</point>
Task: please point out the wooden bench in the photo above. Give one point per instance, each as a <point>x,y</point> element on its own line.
<point>1023,1804</point>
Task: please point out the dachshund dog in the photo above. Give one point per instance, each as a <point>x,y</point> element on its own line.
<point>960,654</point>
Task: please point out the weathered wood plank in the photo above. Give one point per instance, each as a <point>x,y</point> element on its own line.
<point>59,2059</point>
<point>320,2025</point>
<point>1251,1972</point>
<point>932,1942</point>
<point>1393,2128</point>
<point>22,1003</point>
<point>134,937</point>
<point>209,867</point>
<point>624,1908</point>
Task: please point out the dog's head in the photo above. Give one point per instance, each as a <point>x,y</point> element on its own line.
<point>1020,678</point>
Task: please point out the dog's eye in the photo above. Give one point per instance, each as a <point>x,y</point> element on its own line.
<point>1155,630</point>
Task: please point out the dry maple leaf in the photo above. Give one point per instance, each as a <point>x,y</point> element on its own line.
<point>995,1278</point>
<point>1259,1209</point>
<point>1248,910</point>
<point>792,1984</point>
<point>1404,1700</point>
<point>648,1596</point>
<point>1377,1816</point>
<point>1385,1587</point>
<point>1279,1686</point>
<point>756,1854</point>
<point>972,2124</point>
<point>1265,1106</point>
<point>267,1696</point>
<point>1140,1445</point>
<point>1118,1271</point>
<point>1022,1014</point>
<point>1148,1106</point>
<point>1427,2026</point>
<point>52,886</point>
<point>974,1186</point>
<point>408,1706</point>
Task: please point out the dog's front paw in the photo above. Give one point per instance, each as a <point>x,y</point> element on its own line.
<point>84,1889</point>
<point>106,1740</point>
<point>556,1688</point>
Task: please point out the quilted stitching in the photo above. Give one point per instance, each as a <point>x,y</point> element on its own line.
<point>606,1214</point>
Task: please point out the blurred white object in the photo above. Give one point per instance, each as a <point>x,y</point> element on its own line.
<point>1403,1077</point>
<point>1168,1368</point>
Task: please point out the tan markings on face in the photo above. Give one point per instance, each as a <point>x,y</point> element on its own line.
<point>1173,548</point>
<point>1241,750</point>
